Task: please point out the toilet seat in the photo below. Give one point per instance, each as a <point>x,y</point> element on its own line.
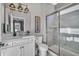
<point>43,47</point>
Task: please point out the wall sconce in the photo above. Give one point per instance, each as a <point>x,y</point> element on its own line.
<point>26,10</point>
<point>12,6</point>
<point>20,7</point>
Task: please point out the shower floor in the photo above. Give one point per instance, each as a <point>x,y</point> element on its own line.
<point>63,51</point>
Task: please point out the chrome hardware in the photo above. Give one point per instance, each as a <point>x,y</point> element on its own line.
<point>21,47</point>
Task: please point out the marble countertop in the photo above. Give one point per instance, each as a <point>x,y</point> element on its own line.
<point>10,38</point>
<point>14,39</point>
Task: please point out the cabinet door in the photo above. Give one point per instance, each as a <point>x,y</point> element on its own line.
<point>0,52</point>
<point>29,50</point>
<point>12,51</point>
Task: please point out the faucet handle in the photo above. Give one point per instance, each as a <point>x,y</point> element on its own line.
<point>2,44</point>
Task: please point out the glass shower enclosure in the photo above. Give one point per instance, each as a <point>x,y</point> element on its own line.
<point>62,30</point>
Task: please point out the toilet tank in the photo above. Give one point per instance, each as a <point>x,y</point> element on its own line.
<point>39,39</point>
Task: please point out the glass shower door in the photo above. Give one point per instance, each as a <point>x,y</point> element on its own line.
<point>69,33</point>
<point>53,33</point>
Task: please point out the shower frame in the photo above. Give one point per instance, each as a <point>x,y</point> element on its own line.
<point>58,11</point>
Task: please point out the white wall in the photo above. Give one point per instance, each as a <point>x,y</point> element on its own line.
<point>0,22</point>
<point>40,9</point>
<point>47,8</point>
<point>35,9</point>
<point>1,16</point>
<point>25,16</point>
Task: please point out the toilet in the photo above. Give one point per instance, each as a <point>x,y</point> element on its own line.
<point>43,48</point>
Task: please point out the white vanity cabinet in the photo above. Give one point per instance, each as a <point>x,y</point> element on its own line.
<point>23,47</point>
<point>23,50</point>
<point>0,52</point>
<point>28,50</point>
<point>11,51</point>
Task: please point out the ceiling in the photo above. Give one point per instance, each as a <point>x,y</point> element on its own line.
<point>54,3</point>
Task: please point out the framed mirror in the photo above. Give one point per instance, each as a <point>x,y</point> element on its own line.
<point>17,24</point>
<point>37,24</point>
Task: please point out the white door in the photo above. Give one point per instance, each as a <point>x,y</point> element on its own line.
<point>12,51</point>
<point>29,50</point>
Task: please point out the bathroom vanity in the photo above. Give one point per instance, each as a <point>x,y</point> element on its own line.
<point>24,46</point>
